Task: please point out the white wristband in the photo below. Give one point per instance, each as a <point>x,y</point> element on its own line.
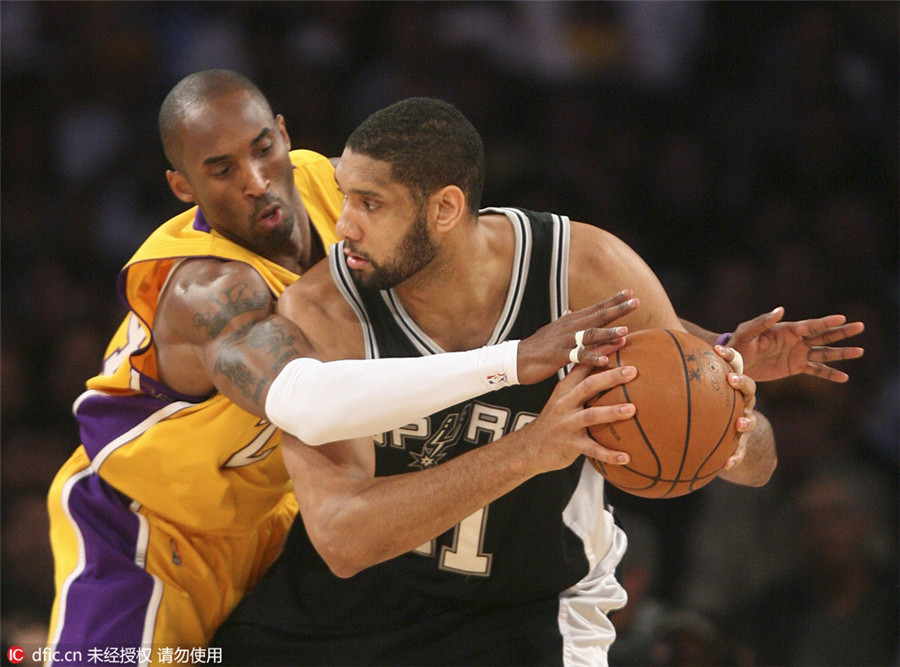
<point>321,402</point>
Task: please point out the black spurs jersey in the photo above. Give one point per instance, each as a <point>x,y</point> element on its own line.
<point>517,548</point>
<point>487,591</point>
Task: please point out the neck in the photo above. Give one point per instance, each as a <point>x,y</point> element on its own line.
<point>312,248</point>
<point>305,248</point>
<point>459,297</point>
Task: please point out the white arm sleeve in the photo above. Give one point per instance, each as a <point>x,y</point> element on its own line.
<point>321,402</point>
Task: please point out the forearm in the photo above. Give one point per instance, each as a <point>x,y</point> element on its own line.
<point>356,520</point>
<point>698,331</point>
<point>357,524</point>
<point>376,395</point>
<point>760,460</point>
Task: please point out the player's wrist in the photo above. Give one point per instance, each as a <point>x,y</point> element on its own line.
<point>499,364</point>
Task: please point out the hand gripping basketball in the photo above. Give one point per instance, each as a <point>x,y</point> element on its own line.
<point>683,431</point>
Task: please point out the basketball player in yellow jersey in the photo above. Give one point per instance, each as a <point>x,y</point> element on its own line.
<point>177,500</point>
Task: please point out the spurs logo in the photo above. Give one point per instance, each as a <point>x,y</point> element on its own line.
<point>435,448</point>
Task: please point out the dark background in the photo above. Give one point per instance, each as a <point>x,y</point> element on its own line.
<point>749,151</point>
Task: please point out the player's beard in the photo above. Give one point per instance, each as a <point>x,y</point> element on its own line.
<point>413,253</point>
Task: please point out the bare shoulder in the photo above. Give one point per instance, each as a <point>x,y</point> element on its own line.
<point>601,264</point>
<point>204,296</point>
<point>328,322</point>
<point>594,246</point>
<point>204,304</point>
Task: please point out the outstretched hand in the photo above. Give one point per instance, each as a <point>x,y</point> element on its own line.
<point>773,349</point>
<point>548,349</point>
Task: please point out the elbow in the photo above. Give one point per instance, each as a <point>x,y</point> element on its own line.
<point>341,557</point>
<point>765,474</point>
<point>345,547</point>
<point>762,472</point>
<point>344,571</point>
<point>767,457</point>
<point>754,471</point>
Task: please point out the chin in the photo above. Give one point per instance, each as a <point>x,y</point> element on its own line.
<point>369,281</point>
<point>281,234</point>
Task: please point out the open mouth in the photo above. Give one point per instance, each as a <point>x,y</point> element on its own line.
<point>270,216</point>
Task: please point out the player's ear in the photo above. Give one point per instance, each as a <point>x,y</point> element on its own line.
<point>282,128</point>
<point>180,186</point>
<point>449,204</point>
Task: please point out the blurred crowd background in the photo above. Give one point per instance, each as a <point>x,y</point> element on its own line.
<point>749,152</point>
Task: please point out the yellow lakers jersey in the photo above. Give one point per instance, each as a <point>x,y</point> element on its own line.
<point>200,462</point>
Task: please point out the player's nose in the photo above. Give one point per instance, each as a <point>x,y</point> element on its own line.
<point>256,183</point>
<point>345,227</point>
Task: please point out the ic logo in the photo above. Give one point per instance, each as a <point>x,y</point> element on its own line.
<point>15,655</point>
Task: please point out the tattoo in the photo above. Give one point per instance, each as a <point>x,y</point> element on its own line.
<point>271,337</point>
<point>242,378</point>
<point>234,302</point>
<point>267,336</point>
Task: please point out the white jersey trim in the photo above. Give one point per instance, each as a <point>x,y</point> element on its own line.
<point>134,431</point>
<point>79,567</point>
<point>340,274</point>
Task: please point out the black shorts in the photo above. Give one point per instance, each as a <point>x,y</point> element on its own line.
<point>422,632</point>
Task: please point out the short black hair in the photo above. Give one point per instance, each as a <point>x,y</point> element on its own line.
<point>196,89</point>
<point>428,143</point>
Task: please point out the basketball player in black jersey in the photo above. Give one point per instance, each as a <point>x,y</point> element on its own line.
<point>477,535</point>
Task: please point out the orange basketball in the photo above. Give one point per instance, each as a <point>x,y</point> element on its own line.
<point>682,432</point>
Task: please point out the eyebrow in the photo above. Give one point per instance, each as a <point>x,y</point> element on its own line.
<point>362,192</point>
<point>356,191</point>
<point>213,159</point>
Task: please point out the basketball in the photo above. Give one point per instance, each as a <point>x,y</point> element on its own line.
<point>682,432</point>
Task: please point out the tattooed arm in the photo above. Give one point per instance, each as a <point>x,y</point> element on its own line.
<point>216,329</point>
